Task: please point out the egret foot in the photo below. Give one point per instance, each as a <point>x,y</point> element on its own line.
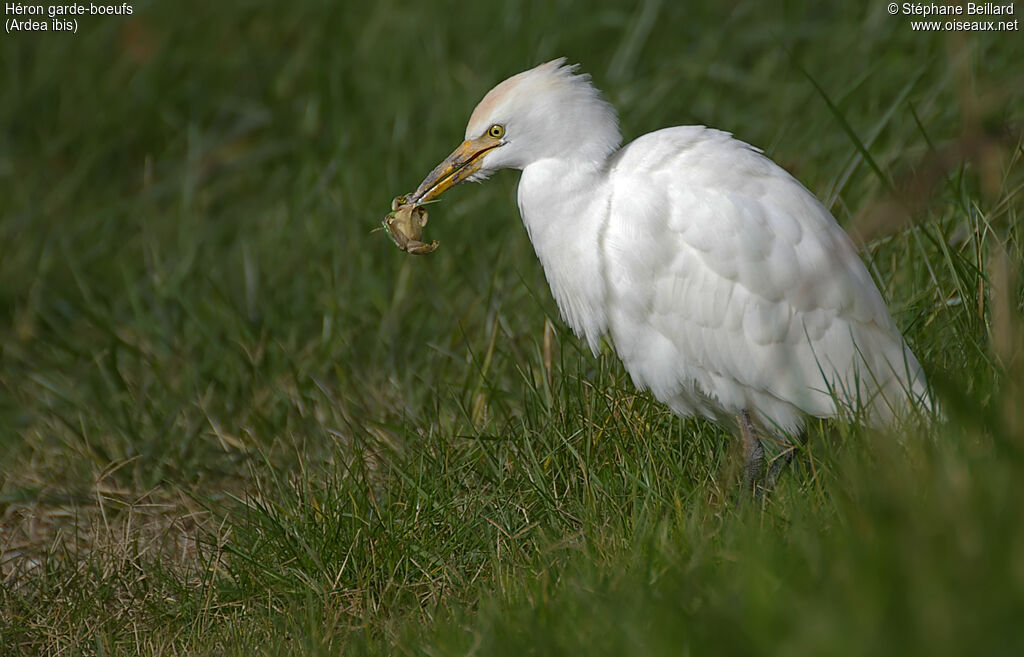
<point>753,455</point>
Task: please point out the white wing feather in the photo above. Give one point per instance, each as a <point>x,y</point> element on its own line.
<point>728,286</point>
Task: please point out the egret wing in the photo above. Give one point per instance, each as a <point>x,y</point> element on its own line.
<point>729,287</point>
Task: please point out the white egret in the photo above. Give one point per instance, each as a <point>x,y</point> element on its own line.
<point>727,289</point>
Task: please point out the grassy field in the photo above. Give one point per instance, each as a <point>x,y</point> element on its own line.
<point>235,421</point>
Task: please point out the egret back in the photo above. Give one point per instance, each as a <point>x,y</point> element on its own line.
<point>729,286</point>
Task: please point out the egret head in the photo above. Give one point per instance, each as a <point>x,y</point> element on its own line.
<point>546,112</point>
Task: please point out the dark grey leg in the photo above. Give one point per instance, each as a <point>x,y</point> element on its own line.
<point>777,465</point>
<point>753,455</point>
<point>780,462</point>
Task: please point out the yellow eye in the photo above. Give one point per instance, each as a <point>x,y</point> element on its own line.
<point>496,131</point>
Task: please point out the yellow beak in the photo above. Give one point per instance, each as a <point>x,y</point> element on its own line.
<point>461,164</point>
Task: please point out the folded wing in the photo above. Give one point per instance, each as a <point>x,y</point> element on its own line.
<point>730,287</point>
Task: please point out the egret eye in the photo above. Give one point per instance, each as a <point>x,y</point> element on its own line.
<point>496,131</point>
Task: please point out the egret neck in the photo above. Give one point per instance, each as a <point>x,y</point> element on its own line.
<point>564,203</point>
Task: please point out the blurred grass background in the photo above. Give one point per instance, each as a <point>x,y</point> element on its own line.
<point>235,421</point>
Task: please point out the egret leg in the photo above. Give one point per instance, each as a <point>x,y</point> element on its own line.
<point>753,454</point>
<point>777,465</point>
<point>780,462</point>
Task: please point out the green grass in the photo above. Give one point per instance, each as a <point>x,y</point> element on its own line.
<point>235,421</point>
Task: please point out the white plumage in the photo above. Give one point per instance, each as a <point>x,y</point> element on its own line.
<point>723,284</point>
